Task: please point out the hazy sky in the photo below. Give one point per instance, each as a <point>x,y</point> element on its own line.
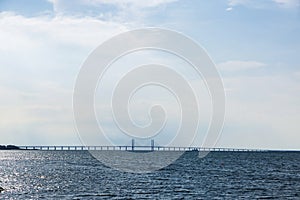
<point>255,45</point>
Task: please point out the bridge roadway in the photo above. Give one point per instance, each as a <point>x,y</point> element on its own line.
<point>134,148</point>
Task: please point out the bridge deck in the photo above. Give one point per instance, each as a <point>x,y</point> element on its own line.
<point>134,148</point>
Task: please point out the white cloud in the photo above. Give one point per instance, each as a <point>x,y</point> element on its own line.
<point>264,4</point>
<point>39,60</point>
<point>262,111</point>
<point>20,32</point>
<point>119,3</point>
<point>238,2</point>
<point>288,3</point>
<point>126,11</point>
<point>40,57</point>
<point>237,65</point>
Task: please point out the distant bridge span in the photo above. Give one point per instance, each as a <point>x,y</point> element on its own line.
<point>134,148</point>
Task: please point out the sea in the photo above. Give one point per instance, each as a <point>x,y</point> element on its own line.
<point>219,175</point>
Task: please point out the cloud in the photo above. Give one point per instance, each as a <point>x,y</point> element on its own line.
<point>288,3</point>
<point>262,111</point>
<point>41,56</point>
<point>129,12</point>
<point>39,60</point>
<point>237,65</point>
<point>126,11</point>
<point>20,32</point>
<point>119,3</point>
<point>238,2</point>
<point>264,4</point>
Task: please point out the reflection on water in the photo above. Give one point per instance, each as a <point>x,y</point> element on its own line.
<point>77,175</point>
<point>137,161</point>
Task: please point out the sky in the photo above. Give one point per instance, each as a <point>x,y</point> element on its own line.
<point>254,44</point>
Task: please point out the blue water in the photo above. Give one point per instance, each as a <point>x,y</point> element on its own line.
<point>221,175</point>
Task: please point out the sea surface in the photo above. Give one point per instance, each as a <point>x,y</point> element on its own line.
<point>220,175</point>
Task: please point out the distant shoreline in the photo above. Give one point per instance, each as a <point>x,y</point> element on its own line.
<point>9,147</point>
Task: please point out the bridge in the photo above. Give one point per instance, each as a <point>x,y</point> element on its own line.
<point>133,147</point>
